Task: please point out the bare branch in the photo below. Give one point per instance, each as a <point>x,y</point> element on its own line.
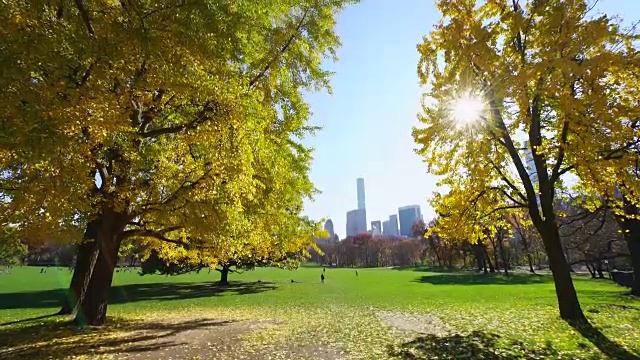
<point>509,183</point>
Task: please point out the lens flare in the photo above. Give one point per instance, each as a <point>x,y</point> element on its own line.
<point>466,109</point>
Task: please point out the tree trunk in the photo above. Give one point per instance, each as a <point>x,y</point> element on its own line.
<point>503,255</point>
<point>530,263</point>
<point>568,303</point>
<point>494,246</point>
<point>224,276</point>
<point>631,231</point>
<point>487,260</point>
<point>92,308</point>
<point>599,269</point>
<point>593,273</point>
<point>86,255</point>
<point>479,257</point>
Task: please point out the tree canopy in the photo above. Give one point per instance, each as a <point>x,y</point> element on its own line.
<point>543,77</point>
<point>173,123</point>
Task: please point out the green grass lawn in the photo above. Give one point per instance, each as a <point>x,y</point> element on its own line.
<point>492,317</point>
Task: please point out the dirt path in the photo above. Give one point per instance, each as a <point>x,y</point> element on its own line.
<point>206,338</point>
<point>420,323</point>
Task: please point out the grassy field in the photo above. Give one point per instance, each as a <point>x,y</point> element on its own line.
<point>460,315</point>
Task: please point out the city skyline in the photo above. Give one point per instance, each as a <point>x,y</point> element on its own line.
<point>367,120</point>
<point>396,225</point>
<point>375,100</point>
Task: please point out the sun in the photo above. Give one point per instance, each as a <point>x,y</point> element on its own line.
<point>466,109</point>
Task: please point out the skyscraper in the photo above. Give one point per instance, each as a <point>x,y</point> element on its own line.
<point>356,222</point>
<point>393,225</point>
<point>376,227</point>
<point>385,228</point>
<point>408,214</point>
<point>328,227</point>
<point>361,204</point>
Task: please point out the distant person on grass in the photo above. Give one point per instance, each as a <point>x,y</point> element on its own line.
<point>322,278</point>
<point>356,273</point>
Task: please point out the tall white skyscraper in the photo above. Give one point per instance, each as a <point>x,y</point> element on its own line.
<point>361,204</point>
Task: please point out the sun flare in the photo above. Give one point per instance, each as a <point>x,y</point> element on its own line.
<point>466,109</point>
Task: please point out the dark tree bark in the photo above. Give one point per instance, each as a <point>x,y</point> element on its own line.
<point>488,260</point>
<point>568,303</point>
<point>631,233</point>
<point>592,272</point>
<point>503,255</point>
<point>92,309</point>
<point>531,270</point>
<point>599,269</point>
<point>86,255</point>
<point>224,276</point>
<point>479,254</point>
<point>633,243</point>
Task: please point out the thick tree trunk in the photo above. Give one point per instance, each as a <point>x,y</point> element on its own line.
<point>92,309</point>
<point>479,257</point>
<point>224,276</point>
<point>631,231</point>
<point>633,243</point>
<point>568,303</point>
<point>86,255</point>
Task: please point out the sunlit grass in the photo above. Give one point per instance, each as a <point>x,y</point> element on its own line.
<point>342,311</point>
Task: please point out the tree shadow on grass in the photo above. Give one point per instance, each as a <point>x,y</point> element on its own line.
<point>612,349</point>
<point>137,292</point>
<point>482,279</point>
<point>61,339</point>
<point>486,346</point>
<point>476,345</point>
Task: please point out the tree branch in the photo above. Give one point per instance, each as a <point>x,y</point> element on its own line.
<point>280,51</point>
<point>85,17</point>
<point>555,173</point>
<point>509,183</point>
<point>201,118</point>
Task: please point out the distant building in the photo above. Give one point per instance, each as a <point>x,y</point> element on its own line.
<point>361,203</point>
<point>356,222</point>
<point>376,227</point>
<point>407,215</point>
<point>393,225</point>
<point>386,228</point>
<point>328,227</point>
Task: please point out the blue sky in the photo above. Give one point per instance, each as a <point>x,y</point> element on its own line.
<point>367,121</point>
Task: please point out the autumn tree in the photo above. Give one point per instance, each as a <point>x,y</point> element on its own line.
<point>12,250</point>
<point>145,120</point>
<point>507,71</point>
<point>591,237</point>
